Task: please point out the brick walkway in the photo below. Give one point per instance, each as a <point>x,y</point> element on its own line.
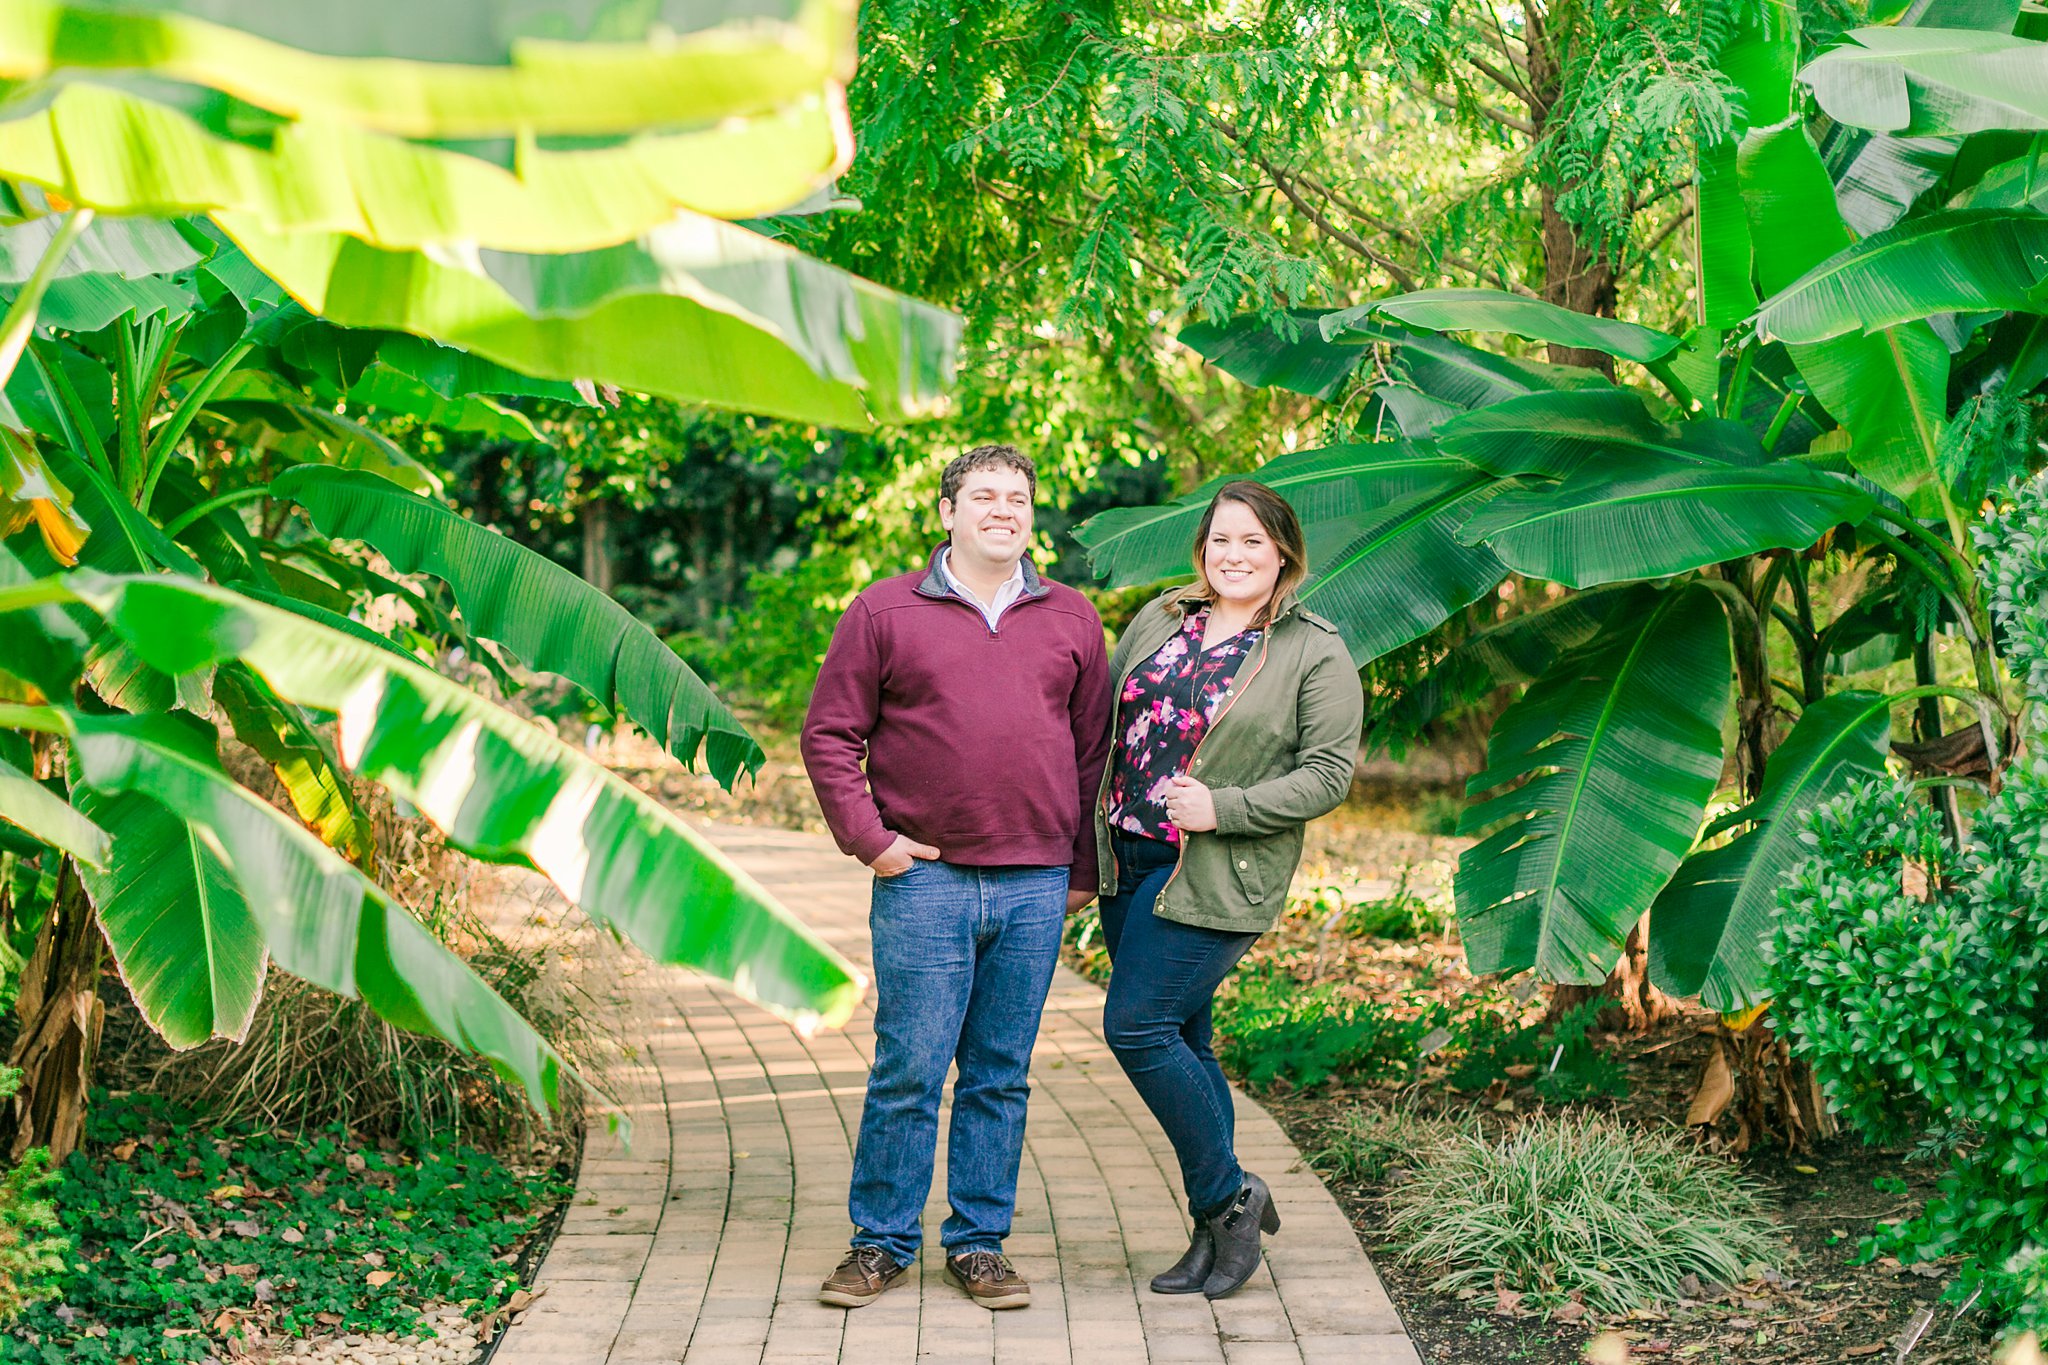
<point>705,1243</point>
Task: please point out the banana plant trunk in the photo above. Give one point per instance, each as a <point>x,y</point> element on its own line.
<point>61,1018</point>
<point>1633,1004</point>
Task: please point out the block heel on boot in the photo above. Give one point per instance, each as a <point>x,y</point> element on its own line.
<point>1236,1232</point>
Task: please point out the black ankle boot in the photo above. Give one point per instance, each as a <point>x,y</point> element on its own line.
<point>1236,1234</point>
<point>1191,1271</point>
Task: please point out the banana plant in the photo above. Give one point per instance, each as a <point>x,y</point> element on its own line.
<point>1843,396</point>
<point>229,247</point>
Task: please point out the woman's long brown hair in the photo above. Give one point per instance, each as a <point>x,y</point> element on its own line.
<point>1277,517</point>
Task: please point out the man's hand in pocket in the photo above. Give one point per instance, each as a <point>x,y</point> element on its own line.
<point>1078,899</point>
<point>896,859</point>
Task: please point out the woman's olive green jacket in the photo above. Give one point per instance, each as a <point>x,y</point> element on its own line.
<point>1279,753</point>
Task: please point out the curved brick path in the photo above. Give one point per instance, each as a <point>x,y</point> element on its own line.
<point>705,1242</point>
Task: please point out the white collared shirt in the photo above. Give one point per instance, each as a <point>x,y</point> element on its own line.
<point>991,612</point>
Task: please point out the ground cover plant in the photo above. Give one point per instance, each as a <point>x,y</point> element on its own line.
<point>187,1242</point>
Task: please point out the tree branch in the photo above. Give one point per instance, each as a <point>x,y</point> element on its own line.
<point>1336,234</point>
<point>1504,119</point>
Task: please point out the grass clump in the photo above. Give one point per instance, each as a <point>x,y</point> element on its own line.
<point>1579,1205</point>
<point>1365,1143</point>
<point>313,1059</point>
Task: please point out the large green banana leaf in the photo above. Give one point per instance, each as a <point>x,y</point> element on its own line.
<point>1602,528</point>
<point>1517,650</point>
<point>1333,484</point>
<point>185,941</point>
<point>1496,310</point>
<point>1605,764</point>
<point>499,788</point>
<point>1318,360</point>
<point>1554,435</point>
<point>548,616</point>
<point>1252,350</point>
<point>320,918</point>
<point>697,310</point>
<point>1968,260</point>
<point>1707,929</point>
<point>1889,389</point>
<point>113,148</point>
<point>128,247</point>
<point>1722,254</point>
<point>494,72</point>
<point>1879,177</point>
<point>1406,571</point>
<point>30,806</point>
<point>1921,81</point>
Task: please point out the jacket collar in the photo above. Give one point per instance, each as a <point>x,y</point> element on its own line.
<point>1188,598</point>
<point>933,584</point>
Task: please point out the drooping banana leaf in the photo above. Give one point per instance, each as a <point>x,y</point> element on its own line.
<point>697,310</point>
<point>42,646</point>
<point>1495,310</point>
<point>1254,351</point>
<point>1406,571</point>
<point>1930,81</point>
<point>185,941</point>
<point>113,146</point>
<point>1722,252</point>
<point>548,616</point>
<point>1597,528</point>
<point>500,789</point>
<point>30,806</point>
<point>1616,750</point>
<point>1963,260</point>
<point>481,72</point>
<point>320,918</point>
<point>1554,435</point>
<point>1708,928</point>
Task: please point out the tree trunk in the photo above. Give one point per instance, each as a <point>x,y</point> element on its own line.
<point>1633,1004</point>
<point>1576,277</point>
<point>595,517</point>
<point>61,1019</point>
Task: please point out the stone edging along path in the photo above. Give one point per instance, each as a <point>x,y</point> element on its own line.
<point>705,1242</point>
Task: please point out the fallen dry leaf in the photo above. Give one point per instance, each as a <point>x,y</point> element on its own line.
<point>379,1278</point>
<point>124,1149</point>
<point>226,1192</point>
<point>1872,1349</point>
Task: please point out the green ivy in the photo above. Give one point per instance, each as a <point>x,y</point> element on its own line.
<point>186,1239</point>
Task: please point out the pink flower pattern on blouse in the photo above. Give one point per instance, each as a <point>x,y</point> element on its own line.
<point>1166,706</point>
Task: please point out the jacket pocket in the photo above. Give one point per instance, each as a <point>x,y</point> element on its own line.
<point>1246,866</point>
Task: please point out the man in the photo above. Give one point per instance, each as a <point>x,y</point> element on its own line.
<point>978,695</point>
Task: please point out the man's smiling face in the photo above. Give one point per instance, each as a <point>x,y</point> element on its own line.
<point>991,519</point>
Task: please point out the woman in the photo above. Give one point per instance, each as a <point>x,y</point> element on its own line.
<point>1236,723</point>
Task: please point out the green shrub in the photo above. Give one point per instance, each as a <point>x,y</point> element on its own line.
<point>1438,813</point>
<point>1364,1143</point>
<point>1929,1007</point>
<point>1403,914</point>
<point>1580,1205</point>
<point>31,1257</point>
<point>1270,1028</point>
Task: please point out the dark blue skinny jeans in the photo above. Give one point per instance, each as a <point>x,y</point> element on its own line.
<point>1163,977</point>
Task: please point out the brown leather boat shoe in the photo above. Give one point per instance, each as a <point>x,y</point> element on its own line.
<point>863,1277</point>
<point>989,1280</point>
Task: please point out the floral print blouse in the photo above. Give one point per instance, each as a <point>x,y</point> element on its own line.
<point>1165,708</point>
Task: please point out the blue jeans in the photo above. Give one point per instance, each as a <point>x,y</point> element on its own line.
<point>963,959</point>
<point>1163,977</point>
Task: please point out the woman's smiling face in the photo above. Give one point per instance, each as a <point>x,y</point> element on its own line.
<point>1239,558</point>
